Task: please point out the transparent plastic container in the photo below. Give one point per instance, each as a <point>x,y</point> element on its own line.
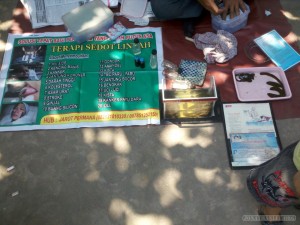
<point>88,20</point>
<point>230,25</point>
<point>136,48</point>
<point>153,59</point>
<point>181,104</point>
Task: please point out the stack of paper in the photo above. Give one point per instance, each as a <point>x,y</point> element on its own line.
<point>49,12</point>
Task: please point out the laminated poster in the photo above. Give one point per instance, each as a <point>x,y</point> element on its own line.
<point>49,81</point>
<point>278,50</point>
<point>251,133</point>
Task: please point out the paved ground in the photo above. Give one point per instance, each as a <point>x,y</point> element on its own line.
<point>158,175</point>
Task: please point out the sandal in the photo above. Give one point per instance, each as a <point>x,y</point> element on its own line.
<point>264,219</point>
<point>297,206</point>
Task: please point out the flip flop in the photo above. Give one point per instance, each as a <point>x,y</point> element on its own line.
<point>264,218</point>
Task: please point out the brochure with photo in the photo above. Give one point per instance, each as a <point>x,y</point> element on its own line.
<point>278,50</point>
<point>251,134</point>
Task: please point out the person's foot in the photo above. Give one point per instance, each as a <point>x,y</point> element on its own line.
<point>189,27</point>
<point>297,206</point>
<point>269,219</point>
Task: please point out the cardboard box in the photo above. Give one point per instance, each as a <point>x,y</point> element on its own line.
<point>88,20</point>
<point>190,103</point>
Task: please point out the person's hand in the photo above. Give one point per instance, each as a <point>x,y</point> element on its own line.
<point>211,6</point>
<point>232,7</point>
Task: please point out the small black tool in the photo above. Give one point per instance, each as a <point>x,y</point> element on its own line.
<point>244,77</point>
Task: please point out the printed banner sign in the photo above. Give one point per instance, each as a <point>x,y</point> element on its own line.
<point>49,81</point>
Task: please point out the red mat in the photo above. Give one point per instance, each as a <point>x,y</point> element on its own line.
<point>177,48</point>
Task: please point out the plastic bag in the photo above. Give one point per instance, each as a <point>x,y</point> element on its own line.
<point>111,3</point>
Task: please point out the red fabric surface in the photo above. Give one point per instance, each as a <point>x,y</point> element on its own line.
<point>177,48</point>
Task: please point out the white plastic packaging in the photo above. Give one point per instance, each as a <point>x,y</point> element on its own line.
<point>116,30</point>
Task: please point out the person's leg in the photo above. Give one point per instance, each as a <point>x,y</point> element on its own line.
<point>188,10</point>
<point>176,9</point>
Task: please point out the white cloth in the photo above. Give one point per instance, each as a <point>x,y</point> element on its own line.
<point>219,47</point>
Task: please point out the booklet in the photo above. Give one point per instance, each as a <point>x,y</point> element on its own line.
<point>251,134</point>
<point>278,50</point>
